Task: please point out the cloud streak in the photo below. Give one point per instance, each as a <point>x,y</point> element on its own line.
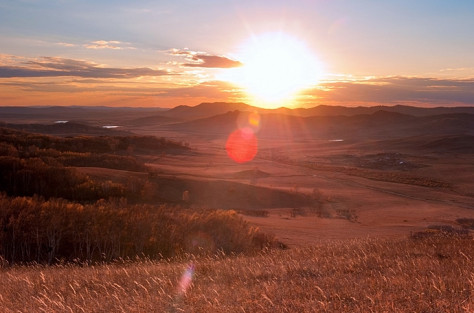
<point>395,90</point>
<point>28,78</point>
<point>104,44</point>
<point>200,59</point>
<point>56,67</point>
<point>99,45</point>
<point>212,89</point>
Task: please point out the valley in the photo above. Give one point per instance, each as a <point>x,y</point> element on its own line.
<point>379,173</point>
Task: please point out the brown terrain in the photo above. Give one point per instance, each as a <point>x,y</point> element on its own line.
<point>376,206</point>
<point>319,174</point>
<point>345,204</point>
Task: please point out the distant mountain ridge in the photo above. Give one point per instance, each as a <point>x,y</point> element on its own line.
<point>206,109</point>
<point>379,124</point>
<point>218,117</point>
<point>328,110</point>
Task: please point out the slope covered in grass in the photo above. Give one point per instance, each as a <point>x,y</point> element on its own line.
<point>426,275</point>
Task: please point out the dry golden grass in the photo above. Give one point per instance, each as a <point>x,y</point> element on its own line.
<point>426,275</point>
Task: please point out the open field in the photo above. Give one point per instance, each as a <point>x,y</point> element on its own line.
<point>381,175</point>
<point>349,200</point>
<point>423,275</point>
<point>381,223</point>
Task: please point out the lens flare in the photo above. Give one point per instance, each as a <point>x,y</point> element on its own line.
<point>186,279</point>
<point>242,145</point>
<point>200,242</point>
<point>254,119</point>
<point>249,120</point>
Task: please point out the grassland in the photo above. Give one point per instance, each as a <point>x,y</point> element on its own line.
<point>345,209</point>
<point>433,274</point>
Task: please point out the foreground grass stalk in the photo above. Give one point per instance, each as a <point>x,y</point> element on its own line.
<point>412,275</point>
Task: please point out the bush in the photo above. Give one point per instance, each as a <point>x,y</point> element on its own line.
<point>45,231</point>
<point>440,231</point>
<point>466,222</point>
<point>255,212</point>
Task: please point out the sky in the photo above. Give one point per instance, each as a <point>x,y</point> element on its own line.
<point>168,53</point>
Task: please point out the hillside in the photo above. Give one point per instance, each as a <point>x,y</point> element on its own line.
<point>96,116</point>
<point>100,116</point>
<point>203,110</point>
<point>64,128</point>
<point>397,276</point>
<point>377,125</point>
<point>33,164</point>
<point>329,110</point>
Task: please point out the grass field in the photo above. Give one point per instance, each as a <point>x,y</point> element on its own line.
<point>433,274</point>
<point>345,210</point>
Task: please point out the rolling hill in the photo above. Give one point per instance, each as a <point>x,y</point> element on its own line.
<point>378,125</point>
<point>203,110</point>
<point>67,129</point>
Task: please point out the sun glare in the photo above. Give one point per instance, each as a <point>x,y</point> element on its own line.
<point>275,68</point>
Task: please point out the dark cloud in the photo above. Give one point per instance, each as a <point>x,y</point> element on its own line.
<point>199,59</point>
<point>54,67</point>
<point>211,90</point>
<point>212,61</point>
<point>394,90</point>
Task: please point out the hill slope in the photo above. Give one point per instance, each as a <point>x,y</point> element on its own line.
<point>378,125</point>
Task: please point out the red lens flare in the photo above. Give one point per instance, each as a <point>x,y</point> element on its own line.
<point>242,145</point>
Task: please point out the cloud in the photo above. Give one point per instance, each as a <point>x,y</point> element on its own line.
<point>396,90</point>
<point>99,45</point>
<point>66,44</point>
<point>112,44</point>
<point>10,59</point>
<point>469,70</point>
<point>55,67</point>
<point>212,61</point>
<point>211,89</point>
<point>201,59</point>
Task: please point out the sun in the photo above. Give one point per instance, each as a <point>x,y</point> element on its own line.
<point>276,66</point>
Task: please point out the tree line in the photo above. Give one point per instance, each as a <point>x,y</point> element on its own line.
<point>51,212</point>
<point>22,140</point>
<point>33,164</point>
<point>33,229</point>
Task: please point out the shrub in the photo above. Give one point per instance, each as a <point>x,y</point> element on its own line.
<point>440,231</point>
<point>44,231</point>
<point>466,222</point>
<point>255,212</point>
